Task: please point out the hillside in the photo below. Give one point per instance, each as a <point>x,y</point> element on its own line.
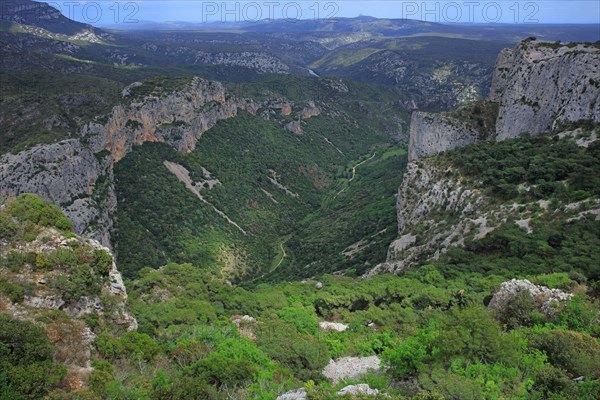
<point>342,208</point>
<point>198,336</point>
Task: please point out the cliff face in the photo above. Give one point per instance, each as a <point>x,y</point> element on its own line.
<point>432,133</point>
<point>179,119</point>
<point>78,174</point>
<point>536,86</point>
<point>539,84</point>
<point>428,190</point>
<point>67,174</point>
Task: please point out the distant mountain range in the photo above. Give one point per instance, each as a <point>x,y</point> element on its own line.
<point>388,27</point>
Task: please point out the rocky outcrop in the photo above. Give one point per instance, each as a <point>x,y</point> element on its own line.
<point>327,326</point>
<point>432,133</point>
<point>43,295</point>
<point>427,190</point>
<point>542,296</point>
<point>78,174</point>
<point>540,84</point>
<point>178,118</point>
<point>296,394</point>
<point>537,85</point>
<point>350,368</point>
<point>68,174</point>
<point>361,389</point>
<point>64,310</point>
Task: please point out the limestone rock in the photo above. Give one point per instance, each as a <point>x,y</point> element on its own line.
<point>350,368</point>
<point>539,84</point>
<point>432,133</point>
<point>65,173</point>
<point>360,389</point>
<point>69,173</point>
<point>542,295</point>
<point>178,118</point>
<point>427,188</point>
<point>297,394</point>
<point>332,326</point>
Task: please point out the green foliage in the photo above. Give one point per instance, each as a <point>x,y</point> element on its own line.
<point>518,310</point>
<point>472,333</point>
<point>132,345</point>
<point>580,314</point>
<point>15,293</point>
<point>557,280</point>
<point>299,318</point>
<point>578,354</point>
<point>407,358</point>
<point>235,362</point>
<point>242,153</point>
<point>26,368</point>
<point>558,168</point>
<point>304,354</point>
<point>81,282</point>
<point>101,262</point>
<point>30,208</point>
<point>553,383</point>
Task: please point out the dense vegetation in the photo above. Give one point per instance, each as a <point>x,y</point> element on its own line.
<point>550,180</point>
<point>430,328</point>
<point>160,221</point>
<point>319,206</point>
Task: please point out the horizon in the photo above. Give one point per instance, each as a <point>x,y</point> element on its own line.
<point>108,13</point>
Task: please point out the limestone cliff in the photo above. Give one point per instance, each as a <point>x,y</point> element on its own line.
<point>178,118</point>
<point>68,174</point>
<point>432,133</point>
<point>429,198</point>
<point>540,84</point>
<point>77,174</point>
<point>535,86</point>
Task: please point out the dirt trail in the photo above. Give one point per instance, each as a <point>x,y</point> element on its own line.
<point>282,257</point>
<point>354,173</point>
<point>184,176</point>
<point>360,163</point>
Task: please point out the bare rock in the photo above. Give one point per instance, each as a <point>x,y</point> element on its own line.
<point>350,368</point>
<point>297,394</point>
<point>332,326</point>
<point>542,295</point>
<point>360,389</point>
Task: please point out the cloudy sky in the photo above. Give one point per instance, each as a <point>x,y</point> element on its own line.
<point>111,12</point>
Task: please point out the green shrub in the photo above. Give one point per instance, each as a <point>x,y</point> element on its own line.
<point>576,353</point>
<point>299,318</point>
<point>553,383</point>
<point>304,354</point>
<point>26,368</point>
<point>14,292</point>
<point>132,345</point>
<point>101,262</point>
<point>30,207</point>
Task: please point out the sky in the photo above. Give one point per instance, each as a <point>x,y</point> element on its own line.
<point>117,12</point>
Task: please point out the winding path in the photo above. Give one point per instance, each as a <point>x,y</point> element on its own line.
<point>354,173</point>
<point>284,255</point>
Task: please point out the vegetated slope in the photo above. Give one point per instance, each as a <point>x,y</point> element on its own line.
<point>57,292</point>
<point>193,340</point>
<point>269,179</point>
<point>354,225</point>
